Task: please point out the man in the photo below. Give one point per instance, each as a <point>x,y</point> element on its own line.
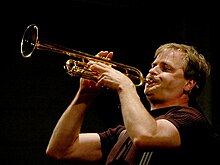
<point>171,131</point>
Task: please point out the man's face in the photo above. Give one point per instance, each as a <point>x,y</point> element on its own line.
<point>168,77</point>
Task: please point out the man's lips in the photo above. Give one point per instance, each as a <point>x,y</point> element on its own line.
<point>152,81</point>
<point>152,84</point>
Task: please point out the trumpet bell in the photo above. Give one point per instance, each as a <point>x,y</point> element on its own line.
<point>29,40</point>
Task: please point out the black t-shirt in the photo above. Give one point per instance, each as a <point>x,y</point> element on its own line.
<point>196,141</point>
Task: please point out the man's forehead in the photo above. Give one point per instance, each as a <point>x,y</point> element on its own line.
<point>173,57</point>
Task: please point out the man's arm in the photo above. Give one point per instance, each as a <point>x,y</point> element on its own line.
<point>66,142</point>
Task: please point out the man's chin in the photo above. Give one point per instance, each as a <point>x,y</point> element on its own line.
<point>148,92</point>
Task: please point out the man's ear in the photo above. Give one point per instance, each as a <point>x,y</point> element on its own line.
<point>189,85</point>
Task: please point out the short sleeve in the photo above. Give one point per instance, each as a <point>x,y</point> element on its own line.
<point>109,138</point>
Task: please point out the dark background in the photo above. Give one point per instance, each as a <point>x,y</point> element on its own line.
<point>35,91</point>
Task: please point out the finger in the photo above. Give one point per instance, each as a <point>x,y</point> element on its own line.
<point>109,56</point>
<point>102,54</point>
<point>98,66</point>
<point>105,54</point>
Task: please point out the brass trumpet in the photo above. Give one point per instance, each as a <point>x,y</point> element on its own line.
<point>79,67</point>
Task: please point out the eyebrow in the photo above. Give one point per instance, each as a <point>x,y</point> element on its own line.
<point>164,63</point>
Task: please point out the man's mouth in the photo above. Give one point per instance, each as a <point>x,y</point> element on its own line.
<point>152,81</point>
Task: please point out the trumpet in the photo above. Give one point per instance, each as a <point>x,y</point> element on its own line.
<point>75,67</point>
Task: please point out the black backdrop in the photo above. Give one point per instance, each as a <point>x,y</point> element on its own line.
<point>35,91</point>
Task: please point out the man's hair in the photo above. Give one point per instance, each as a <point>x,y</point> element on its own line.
<point>196,66</point>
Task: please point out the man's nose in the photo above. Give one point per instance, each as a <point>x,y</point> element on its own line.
<point>155,70</point>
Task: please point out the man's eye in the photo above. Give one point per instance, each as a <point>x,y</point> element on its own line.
<point>166,68</point>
